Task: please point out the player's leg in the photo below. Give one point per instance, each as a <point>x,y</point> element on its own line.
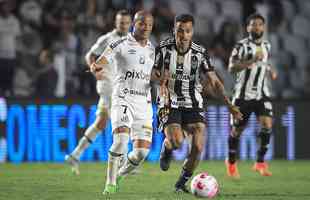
<point>141,136</point>
<point>233,146</point>
<point>134,159</point>
<point>121,119</point>
<point>116,151</point>
<point>265,120</point>
<point>197,131</point>
<point>173,138</point>
<point>234,137</point>
<point>102,115</point>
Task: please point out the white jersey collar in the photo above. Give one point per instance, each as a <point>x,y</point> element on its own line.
<point>132,39</point>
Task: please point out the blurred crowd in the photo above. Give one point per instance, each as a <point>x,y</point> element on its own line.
<point>43,42</point>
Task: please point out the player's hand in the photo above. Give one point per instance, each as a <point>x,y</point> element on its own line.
<point>273,73</point>
<point>234,110</point>
<point>259,56</point>
<point>164,93</point>
<point>100,74</point>
<point>95,68</point>
<point>163,112</point>
<point>162,115</point>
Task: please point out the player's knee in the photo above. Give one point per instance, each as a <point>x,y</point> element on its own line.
<point>120,143</point>
<point>198,128</point>
<point>176,142</point>
<point>138,155</point>
<point>198,147</point>
<point>176,135</point>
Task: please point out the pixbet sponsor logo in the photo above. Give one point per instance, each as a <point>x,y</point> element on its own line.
<point>133,74</point>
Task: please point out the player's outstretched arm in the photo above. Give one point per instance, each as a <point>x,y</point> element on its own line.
<point>219,89</point>
<point>97,67</point>
<point>238,63</point>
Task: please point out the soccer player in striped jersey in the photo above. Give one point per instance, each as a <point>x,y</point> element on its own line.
<point>104,87</point>
<point>249,64</point>
<point>182,64</point>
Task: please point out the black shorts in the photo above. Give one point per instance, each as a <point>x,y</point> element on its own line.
<point>261,107</point>
<point>185,116</point>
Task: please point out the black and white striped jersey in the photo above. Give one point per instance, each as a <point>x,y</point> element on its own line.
<point>251,83</point>
<point>184,72</point>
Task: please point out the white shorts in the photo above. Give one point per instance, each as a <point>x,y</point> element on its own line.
<point>104,106</point>
<point>104,89</point>
<point>129,115</point>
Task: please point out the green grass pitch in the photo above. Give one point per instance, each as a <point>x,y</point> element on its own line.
<point>40,181</point>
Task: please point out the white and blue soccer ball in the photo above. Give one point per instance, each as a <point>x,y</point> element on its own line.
<point>204,185</point>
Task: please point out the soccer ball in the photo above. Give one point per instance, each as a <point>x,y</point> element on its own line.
<point>204,185</point>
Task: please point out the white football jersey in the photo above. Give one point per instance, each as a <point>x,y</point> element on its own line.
<point>133,66</point>
<point>97,49</point>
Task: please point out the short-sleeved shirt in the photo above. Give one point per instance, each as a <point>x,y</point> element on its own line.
<point>185,70</point>
<point>251,83</point>
<point>133,66</point>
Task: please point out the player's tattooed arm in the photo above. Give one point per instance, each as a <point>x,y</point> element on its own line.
<point>155,75</point>
<point>219,89</point>
<point>238,65</point>
<point>97,67</point>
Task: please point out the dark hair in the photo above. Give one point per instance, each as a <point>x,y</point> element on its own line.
<point>254,16</point>
<point>184,18</point>
<point>123,13</point>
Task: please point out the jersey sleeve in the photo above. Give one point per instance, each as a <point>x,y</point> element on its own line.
<point>206,63</point>
<point>158,64</point>
<point>99,46</point>
<point>111,50</point>
<point>237,54</point>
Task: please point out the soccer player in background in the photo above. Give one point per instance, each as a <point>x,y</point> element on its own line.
<point>249,64</point>
<point>182,64</point>
<point>131,111</point>
<point>104,87</point>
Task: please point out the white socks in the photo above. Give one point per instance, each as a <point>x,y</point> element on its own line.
<point>118,149</point>
<point>135,158</point>
<point>89,136</point>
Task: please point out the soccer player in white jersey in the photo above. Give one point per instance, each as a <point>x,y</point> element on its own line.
<point>248,62</point>
<point>182,64</point>
<point>131,112</point>
<point>104,87</point>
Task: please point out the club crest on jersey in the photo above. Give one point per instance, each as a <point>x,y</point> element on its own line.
<point>142,59</point>
<point>194,62</point>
